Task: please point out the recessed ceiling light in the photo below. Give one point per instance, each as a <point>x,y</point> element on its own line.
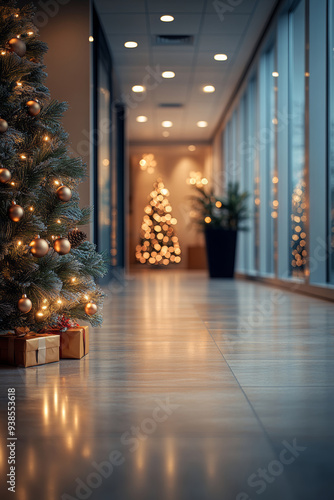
<point>91,39</point>
<point>167,124</point>
<point>275,74</point>
<point>209,89</point>
<point>166,19</point>
<point>220,57</point>
<point>202,124</point>
<point>141,119</point>
<point>138,88</point>
<point>168,74</point>
<point>131,45</point>
<point>165,133</point>
<point>192,147</point>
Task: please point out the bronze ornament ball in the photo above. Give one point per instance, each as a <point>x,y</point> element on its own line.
<point>5,175</point>
<point>15,212</point>
<point>64,193</point>
<point>3,125</point>
<point>17,46</point>
<point>90,308</point>
<point>39,247</point>
<point>62,246</point>
<point>34,108</point>
<point>24,304</point>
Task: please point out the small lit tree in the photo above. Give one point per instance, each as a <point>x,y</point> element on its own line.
<point>158,244</point>
<point>298,228</point>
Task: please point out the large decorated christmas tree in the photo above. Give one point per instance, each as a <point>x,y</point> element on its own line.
<point>159,244</point>
<point>47,269</point>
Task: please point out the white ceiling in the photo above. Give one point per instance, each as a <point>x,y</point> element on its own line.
<point>234,33</point>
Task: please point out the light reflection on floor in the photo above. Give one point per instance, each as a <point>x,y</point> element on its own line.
<point>191,402</point>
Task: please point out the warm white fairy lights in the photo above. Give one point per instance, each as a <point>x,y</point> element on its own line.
<point>197,179</point>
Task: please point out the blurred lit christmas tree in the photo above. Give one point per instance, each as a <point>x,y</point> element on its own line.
<point>298,226</point>
<point>47,269</point>
<point>158,245</point>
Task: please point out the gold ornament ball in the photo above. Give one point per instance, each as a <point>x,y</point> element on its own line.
<point>64,193</point>
<point>3,125</point>
<point>24,304</point>
<point>17,46</point>
<point>15,212</point>
<point>62,246</point>
<point>5,175</point>
<point>39,247</point>
<point>33,108</point>
<point>90,308</point>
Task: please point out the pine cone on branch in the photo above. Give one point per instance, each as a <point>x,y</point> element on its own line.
<point>76,237</point>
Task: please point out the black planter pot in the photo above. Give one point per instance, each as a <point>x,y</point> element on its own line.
<point>220,249</point>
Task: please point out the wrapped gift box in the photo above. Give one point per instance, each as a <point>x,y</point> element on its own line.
<point>31,350</point>
<point>74,342</point>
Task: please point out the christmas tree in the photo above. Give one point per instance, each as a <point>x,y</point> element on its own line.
<point>158,245</point>
<point>298,227</point>
<point>47,269</point>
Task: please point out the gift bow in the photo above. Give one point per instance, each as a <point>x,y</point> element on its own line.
<point>22,331</point>
<point>63,324</point>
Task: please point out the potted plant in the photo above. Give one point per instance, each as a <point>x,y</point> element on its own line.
<point>221,218</point>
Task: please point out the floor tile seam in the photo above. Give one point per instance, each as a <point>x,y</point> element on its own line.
<point>257,417</point>
<point>288,386</point>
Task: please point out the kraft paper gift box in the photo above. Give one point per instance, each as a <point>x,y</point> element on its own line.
<point>74,342</point>
<point>31,350</point>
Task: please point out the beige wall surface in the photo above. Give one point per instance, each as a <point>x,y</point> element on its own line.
<point>174,164</point>
<point>65,27</point>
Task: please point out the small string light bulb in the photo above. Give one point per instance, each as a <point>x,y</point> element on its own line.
<point>86,297</point>
<point>59,301</point>
<point>57,183</point>
<point>46,138</point>
<point>19,84</point>
<point>3,52</point>
<point>23,157</point>
<point>73,280</point>
<point>40,314</point>
<point>44,307</point>
<point>19,243</point>
<point>58,221</point>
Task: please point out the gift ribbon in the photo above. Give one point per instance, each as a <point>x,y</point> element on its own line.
<point>84,340</point>
<point>41,352</point>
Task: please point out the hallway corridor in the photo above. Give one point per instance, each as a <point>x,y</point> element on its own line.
<point>193,389</point>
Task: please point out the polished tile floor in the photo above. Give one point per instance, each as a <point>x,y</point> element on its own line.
<point>193,390</point>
